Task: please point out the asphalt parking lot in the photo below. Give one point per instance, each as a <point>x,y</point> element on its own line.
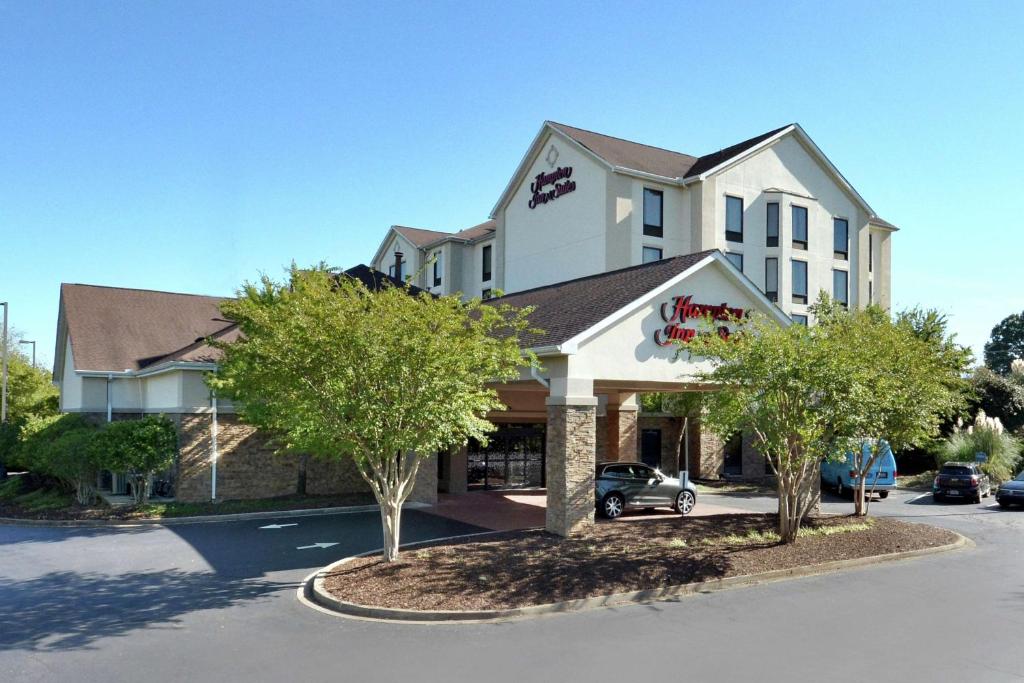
<point>217,602</point>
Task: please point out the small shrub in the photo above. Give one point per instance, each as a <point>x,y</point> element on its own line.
<point>61,447</point>
<point>139,448</point>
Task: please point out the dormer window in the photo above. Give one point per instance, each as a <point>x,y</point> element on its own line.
<point>654,213</point>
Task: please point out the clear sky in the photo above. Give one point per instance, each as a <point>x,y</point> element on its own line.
<point>188,146</point>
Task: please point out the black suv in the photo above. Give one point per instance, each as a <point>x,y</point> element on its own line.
<point>961,480</point>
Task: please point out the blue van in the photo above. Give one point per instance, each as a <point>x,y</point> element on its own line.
<point>841,476</point>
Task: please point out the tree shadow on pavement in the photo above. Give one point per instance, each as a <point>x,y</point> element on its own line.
<point>65,610</point>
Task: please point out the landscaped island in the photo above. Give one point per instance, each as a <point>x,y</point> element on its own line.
<point>524,568</point>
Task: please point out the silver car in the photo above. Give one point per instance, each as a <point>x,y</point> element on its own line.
<point>621,485</point>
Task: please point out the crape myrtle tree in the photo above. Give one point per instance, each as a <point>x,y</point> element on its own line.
<point>385,377</point>
<point>780,384</point>
<point>810,393</point>
<point>902,378</point>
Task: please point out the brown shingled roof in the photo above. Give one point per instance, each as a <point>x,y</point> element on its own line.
<point>565,309</point>
<point>114,329</point>
<point>477,231</point>
<point>655,160</point>
<point>419,236</point>
<point>632,155</point>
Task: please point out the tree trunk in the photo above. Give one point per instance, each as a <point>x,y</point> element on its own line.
<point>858,497</point>
<point>391,518</point>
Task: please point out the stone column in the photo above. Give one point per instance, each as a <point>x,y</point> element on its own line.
<point>569,466</point>
<point>627,429</point>
<point>456,481</point>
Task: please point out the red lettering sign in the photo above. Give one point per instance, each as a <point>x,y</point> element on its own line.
<point>681,308</point>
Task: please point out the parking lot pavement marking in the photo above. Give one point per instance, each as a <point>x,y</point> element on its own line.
<point>278,526</point>
<point>917,498</point>
<point>321,544</point>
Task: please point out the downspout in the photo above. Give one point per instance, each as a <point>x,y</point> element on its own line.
<point>213,449</point>
<point>536,375</point>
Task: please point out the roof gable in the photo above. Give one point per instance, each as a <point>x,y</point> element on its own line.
<point>570,312</point>
<point>113,329</point>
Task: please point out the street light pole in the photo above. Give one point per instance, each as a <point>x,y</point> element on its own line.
<point>33,351</point>
<point>3,391</point>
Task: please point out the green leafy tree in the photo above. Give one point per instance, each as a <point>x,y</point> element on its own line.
<point>901,380</point>
<point>30,394</point>
<point>1005,344</point>
<point>139,448</point>
<point>806,394</point>
<point>782,385</point>
<point>1000,396</point>
<point>383,377</point>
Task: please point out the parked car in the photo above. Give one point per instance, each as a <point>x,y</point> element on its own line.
<point>842,476</point>
<point>621,485</point>
<point>961,480</point>
<point>1011,492</point>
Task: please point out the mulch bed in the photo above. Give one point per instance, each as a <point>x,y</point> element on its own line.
<point>518,569</point>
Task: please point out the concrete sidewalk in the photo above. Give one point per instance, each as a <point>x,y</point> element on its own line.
<point>525,509</point>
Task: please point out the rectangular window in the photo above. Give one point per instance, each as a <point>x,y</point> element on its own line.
<point>437,269</point>
<point>799,227</point>
<point>799,282</point>
<point>841,238</point>
<point>871,292</point>
<point>486,294</point>
<point>771,278</point>
<point>841,286</point>
<point>773,224</point>
<point>392,273</point>
<point>652,254</point>
<point>654,213</point>
<point>871,252</point>
<point>799,319</point>
<point>736,259</point>
<point>733,219</point>
<point>486,274</point>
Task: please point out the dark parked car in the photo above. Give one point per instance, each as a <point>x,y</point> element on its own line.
<point>1011,492</point>
<point>621,485</point>
<point>961,480</point>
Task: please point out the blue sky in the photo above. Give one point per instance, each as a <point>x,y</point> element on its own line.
<point>190,146</point>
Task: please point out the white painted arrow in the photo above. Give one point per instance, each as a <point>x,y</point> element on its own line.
<point>278,526</point>
<point>321,544</point>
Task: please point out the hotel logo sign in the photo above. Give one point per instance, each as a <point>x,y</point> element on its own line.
<point>681,308</point>
<point>560,183</point>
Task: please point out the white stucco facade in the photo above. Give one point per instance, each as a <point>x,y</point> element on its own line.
<point>178,389</point>
<point>598,224</point>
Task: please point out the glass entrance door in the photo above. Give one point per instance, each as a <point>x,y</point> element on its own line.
<point>513,458</point>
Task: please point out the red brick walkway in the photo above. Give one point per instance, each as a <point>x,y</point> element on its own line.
<point>509,510</point>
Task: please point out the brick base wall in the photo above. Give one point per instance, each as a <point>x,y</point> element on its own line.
<point>247,466</point>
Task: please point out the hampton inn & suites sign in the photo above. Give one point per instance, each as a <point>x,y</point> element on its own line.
<point>681,308</point>
<point>560,184</point>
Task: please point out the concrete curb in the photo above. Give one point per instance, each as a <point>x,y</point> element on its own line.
<point>313,594</point>
<point>204,519</point>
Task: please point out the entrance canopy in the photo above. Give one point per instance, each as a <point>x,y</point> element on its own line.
<point>606,337</point>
